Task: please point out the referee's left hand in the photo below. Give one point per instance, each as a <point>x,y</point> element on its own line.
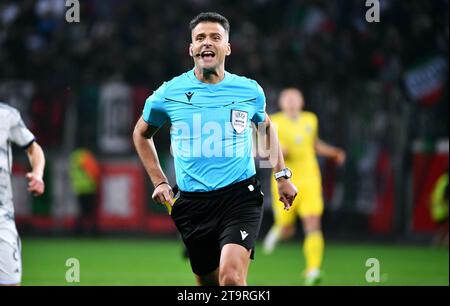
<point>287,192</point>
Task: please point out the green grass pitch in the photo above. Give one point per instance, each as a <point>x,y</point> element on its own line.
<point>160,262</point>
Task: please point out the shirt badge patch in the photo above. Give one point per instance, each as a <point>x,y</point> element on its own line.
<point>239,120</point>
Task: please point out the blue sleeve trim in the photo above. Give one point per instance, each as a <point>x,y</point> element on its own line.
<point>153,124</point>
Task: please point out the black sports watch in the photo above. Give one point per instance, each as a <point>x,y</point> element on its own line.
<point>285,173</point>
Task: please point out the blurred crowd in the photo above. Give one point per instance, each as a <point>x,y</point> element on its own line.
<point>325,47</point>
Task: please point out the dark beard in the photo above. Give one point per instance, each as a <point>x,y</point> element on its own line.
<point>208,73</point>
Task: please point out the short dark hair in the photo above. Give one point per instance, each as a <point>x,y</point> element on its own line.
<point>210,17</point>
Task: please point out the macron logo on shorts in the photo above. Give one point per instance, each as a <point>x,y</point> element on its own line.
<point>244,235</point>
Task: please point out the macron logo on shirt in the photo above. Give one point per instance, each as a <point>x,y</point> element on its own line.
<point>244,235</point>
<point>189,95</point>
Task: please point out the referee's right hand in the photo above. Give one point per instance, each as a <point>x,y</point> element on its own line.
<point>163,193</point>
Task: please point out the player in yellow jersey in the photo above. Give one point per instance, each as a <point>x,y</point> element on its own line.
<point>298,135</point>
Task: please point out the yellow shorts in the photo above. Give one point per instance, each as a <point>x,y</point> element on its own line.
<point>309,202</point>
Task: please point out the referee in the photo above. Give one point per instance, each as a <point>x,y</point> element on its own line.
<point>211,111</point>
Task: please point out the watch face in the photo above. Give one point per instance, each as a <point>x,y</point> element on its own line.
<point>288,173</point>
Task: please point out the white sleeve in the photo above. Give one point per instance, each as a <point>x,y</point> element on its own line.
<point>18,132</point>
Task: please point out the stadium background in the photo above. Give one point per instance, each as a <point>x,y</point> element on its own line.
<point>380,91</point>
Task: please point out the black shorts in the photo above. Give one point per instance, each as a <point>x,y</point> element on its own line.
<point>209,220</point>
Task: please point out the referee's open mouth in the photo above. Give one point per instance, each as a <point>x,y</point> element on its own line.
<point>207,55</point>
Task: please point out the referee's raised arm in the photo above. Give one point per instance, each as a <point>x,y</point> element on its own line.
<point>145,147</point>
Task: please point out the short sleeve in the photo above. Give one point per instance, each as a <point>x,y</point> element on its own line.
<point>260,111</point>
<point>18,132</point>
<point>154,112</point>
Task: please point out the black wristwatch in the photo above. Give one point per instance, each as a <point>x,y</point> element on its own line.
<point>285,173</point>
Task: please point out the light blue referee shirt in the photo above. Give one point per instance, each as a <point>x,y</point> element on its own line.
<point>211,134</point>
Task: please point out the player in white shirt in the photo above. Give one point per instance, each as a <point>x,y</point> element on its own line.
<point>13,130</point>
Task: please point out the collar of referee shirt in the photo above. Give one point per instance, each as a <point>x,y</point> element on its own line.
<point>194,78</point>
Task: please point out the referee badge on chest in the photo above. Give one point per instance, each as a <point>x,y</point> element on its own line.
<point>239,120</point>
